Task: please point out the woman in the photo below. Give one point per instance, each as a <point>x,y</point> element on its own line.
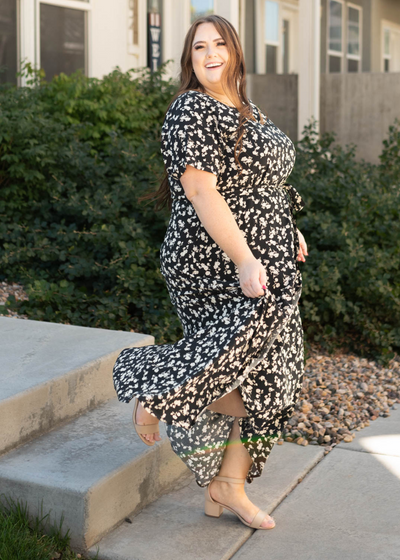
<point>229,258</point>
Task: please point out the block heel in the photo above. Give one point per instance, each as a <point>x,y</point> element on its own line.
<point>213,508</point>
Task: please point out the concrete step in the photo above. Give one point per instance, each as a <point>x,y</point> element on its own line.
<point>52,372</point>
<point>94,471</point>
<point>175,528</point>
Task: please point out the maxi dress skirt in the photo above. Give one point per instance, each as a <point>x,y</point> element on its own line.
<point>230,340</point>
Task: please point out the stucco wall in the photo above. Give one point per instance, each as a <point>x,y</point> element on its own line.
<point>360,108</point>
<point>108,39</point>
<point>276,95</point>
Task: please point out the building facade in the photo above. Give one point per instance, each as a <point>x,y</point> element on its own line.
<point>293,48</point>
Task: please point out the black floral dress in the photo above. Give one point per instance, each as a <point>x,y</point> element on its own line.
<point>230,340</point>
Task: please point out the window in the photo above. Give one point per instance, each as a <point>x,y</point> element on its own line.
<point>353,39</point>
<point>271,34</point>
<point>391,47</point>
<point>276,24</point>
<point>285,45</point>
<point>200,8</point>
<point>8,41</point>
<point>344,37</point>
<point>386,50</point>
<point>335,42</point>
<point>63,39</point>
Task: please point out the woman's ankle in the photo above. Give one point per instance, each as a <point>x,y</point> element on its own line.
<point>141,411</point>
<point>225,492</point>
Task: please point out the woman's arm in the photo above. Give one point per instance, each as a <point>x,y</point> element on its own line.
<point>217,218</point>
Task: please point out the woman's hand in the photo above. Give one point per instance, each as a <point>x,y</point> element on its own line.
<point>252,277</point>
<point>303,247</point>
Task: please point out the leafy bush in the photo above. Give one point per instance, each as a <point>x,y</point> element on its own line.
<point>351,223</point>
<point>76,154</point>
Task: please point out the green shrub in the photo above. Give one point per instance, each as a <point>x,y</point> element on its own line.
<point>72,229</point>
<point>351,224</point>
<point>76,154</point>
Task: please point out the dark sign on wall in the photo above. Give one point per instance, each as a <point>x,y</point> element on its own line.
<point>154,40</point>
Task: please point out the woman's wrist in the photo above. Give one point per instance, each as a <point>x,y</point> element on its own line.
<point>248,258</point>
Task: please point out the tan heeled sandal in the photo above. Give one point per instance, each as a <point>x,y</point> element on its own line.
<point>144,429</point>
<point>215,509</point>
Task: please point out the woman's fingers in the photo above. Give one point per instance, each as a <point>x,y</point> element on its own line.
<point>252,288</point>
<point>253,291</point>
<point>263,278</point>
<point>303,247</point>
<point>255,286</point>
<point>300,256</point>
<point>253,277</point>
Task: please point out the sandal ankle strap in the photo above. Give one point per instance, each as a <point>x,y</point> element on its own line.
<point>229,479</point>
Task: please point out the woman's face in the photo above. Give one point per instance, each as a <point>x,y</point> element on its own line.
<point>209,55</point>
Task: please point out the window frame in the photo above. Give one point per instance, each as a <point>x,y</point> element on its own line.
<point>354,56</point>
<point>391,27</point>
<point>343,55</point>
<point>18,19</point>
<point>286,10</point>
<point>330,52</point>
<point>289,12</point>
<point>85,6</point>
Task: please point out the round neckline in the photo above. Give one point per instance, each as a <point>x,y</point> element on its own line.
<point>229,106</point>
<point>215,99</point>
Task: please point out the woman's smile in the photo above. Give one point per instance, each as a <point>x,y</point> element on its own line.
<point>214,65</point>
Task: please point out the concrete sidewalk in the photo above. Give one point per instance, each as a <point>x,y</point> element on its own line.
<point>347,507</point>
<point>175,528</point>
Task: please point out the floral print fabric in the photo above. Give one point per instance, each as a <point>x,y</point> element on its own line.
<point>230,340</point>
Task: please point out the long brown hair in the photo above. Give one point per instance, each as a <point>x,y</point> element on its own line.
<point>233,81</point>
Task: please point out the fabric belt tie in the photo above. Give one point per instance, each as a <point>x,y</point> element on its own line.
<point>296,204</point>
<point>296,201</point>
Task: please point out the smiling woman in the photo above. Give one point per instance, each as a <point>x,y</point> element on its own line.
<point>230,261</point>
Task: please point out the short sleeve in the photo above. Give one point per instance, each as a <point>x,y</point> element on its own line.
<point>190,136</point>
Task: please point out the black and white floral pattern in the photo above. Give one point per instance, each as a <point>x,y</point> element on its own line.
<point>230,340</point>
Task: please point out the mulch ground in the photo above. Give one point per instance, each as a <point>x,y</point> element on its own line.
<point>341,393</point>
<point>16,290</point>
